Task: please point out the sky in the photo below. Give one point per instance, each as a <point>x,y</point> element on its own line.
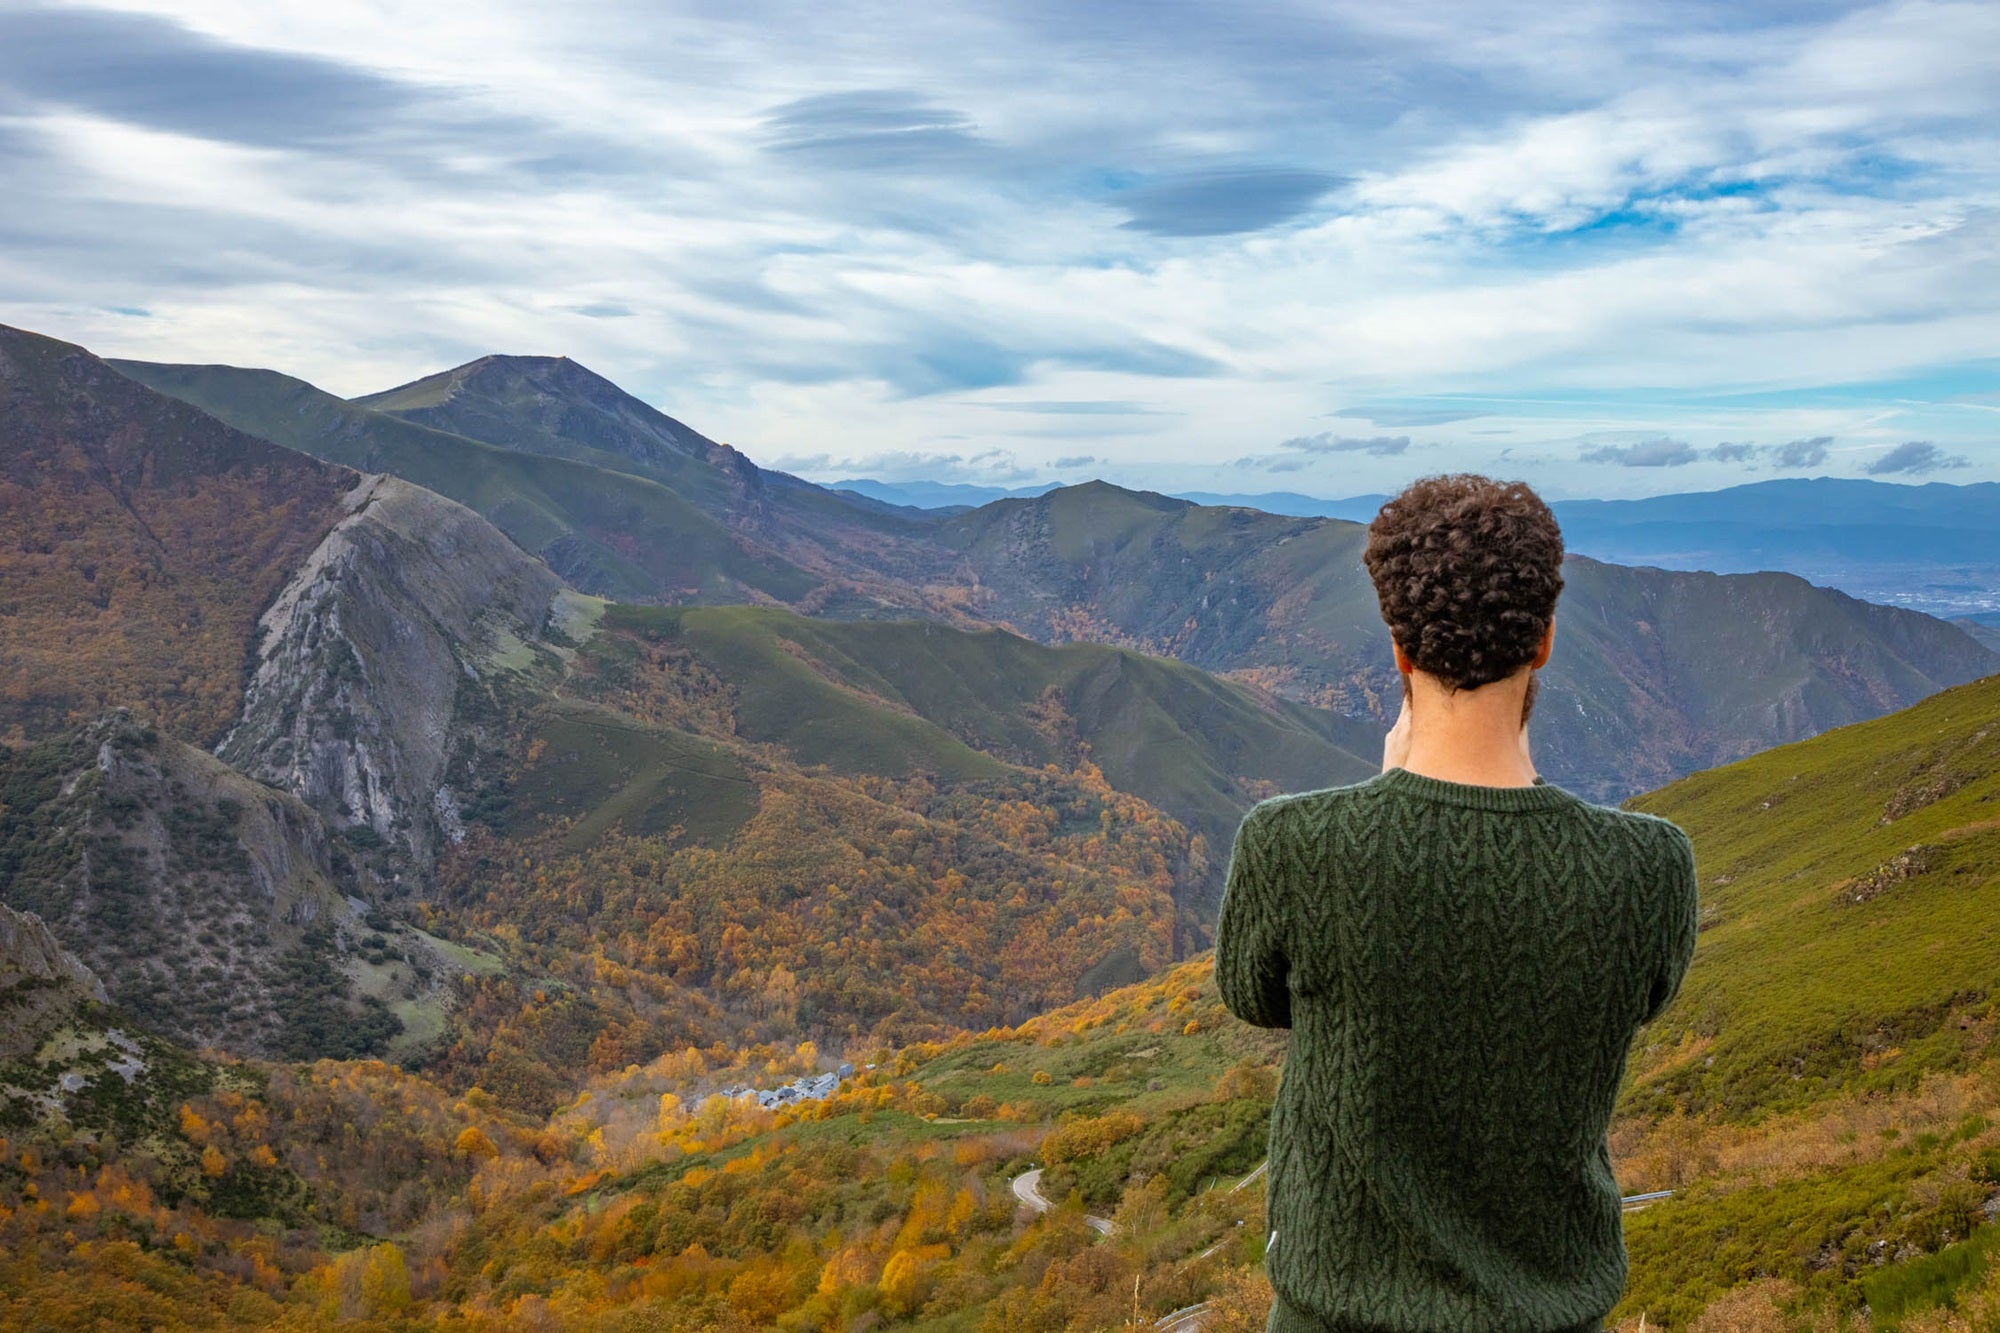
<point>1614,249</point>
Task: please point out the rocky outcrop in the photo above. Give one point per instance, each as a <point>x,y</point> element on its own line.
<point>386,667</point>
<point>191,890</point>
<point>218,911</point>
<point>39,981</point>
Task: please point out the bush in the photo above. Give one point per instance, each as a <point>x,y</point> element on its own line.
<point>1087,1138</point>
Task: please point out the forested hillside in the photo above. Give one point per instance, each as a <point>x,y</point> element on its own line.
<point>1825,1113</point>
<point>141,540</point>
<point>766,827</point>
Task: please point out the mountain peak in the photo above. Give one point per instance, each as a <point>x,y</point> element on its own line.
<point>556,407</point>
<point>494,373</point>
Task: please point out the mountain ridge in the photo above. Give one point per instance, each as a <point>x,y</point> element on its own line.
<point>629,538</point>
<point>1280,603</point>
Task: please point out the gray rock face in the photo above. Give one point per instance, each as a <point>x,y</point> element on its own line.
<point>186,886</point>
<point>384,663</point>
<point>38,979</point>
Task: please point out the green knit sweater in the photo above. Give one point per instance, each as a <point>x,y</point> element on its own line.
<point>1462,969</point>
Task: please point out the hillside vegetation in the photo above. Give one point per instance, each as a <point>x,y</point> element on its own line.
<point>640,1198</point>
<point>738,824</point>
<point>217,911</point>
<point>891,698</point>
<point>1851,911</point>
<point>139,540</point>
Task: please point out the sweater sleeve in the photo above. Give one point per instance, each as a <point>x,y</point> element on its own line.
<point>1251,969</point>
<point>1679,913</point>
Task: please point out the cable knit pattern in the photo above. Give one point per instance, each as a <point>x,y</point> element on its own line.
<point>1463,969</point>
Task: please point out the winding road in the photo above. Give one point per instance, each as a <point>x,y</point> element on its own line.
<point>1028,1189</point>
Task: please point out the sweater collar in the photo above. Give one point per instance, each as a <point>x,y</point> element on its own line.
<point>1542,796</point>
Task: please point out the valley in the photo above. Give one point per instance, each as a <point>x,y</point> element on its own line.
<point>417,810</point>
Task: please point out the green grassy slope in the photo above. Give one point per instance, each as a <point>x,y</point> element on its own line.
<point>900,696</point>
<point>613,772</point>
<point>1821,1095</point>
<point>1851,900</point>
<point>608,533</point>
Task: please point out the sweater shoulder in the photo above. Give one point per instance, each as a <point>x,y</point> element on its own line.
<point>1293,810</point>
<point>1652,830</point>
<point>1658,846</point>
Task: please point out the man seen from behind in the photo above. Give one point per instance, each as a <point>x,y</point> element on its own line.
<point>1463,953</point>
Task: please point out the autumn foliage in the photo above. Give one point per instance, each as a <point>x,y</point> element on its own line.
<point>139,541</point>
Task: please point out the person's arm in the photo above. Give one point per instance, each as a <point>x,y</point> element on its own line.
<point>1251,969</point>
<point>1679,913</point>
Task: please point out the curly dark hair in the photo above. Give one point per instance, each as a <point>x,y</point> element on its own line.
<point>1468,570</point>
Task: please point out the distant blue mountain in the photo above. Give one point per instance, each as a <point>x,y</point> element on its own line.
<point>958,496</point>
<point>1784,510</point>
<point>937,494</point>
<point>1355,508</point>
<point>1934,547</point>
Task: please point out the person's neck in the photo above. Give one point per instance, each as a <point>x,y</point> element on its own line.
<point>1475,737</point>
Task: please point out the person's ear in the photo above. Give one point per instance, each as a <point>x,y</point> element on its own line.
<point>1402,658</point>
<point>1548,645</point>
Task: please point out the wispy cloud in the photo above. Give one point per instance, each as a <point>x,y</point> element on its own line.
<point>1802,453</point>
<point>153,72</point>
<point>1218,203</point>
<point>1658,452</point>
<point>1303,453</point>
<point>1077,408</point>
<point>889,129</point>
<point>1662,452</point>
<point>1913,458</point>
<point>1407,416</point>
<point>1326,442</point>
<point>991,467</point>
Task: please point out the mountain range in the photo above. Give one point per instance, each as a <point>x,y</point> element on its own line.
<point>502,727</point>
<point>627,503</point>
<point>1930,547</point>
<point>436,698</point>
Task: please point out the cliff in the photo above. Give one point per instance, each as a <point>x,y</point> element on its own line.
<point>385,667</point>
